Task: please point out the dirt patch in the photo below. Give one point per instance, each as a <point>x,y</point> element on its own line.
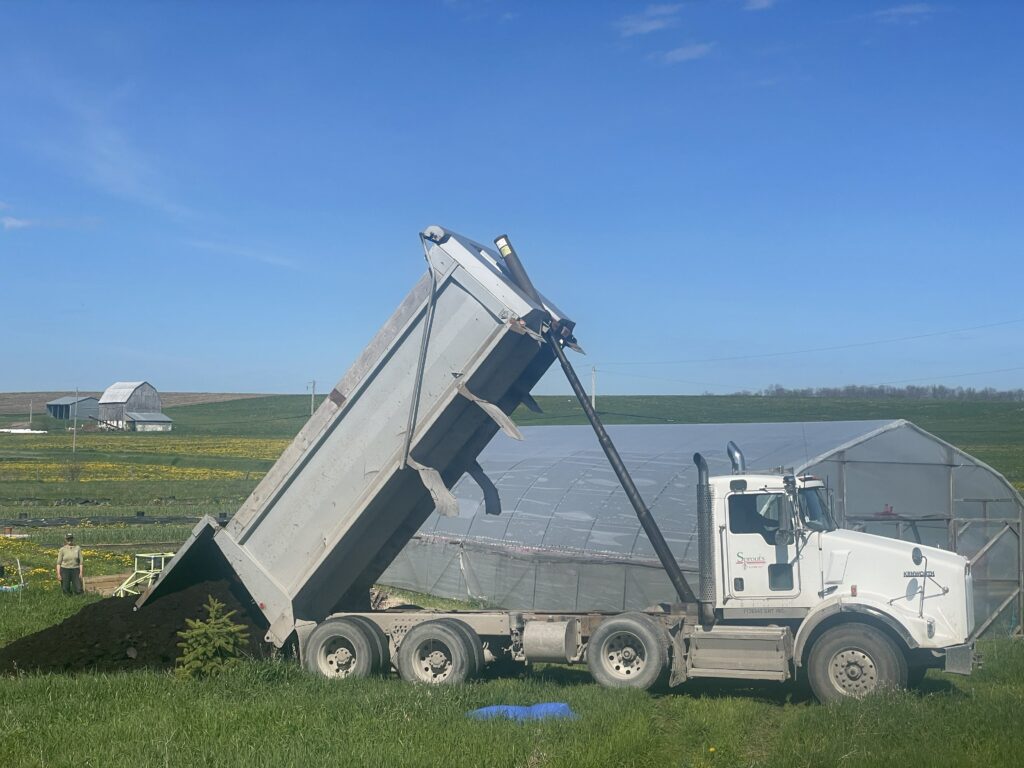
<point>110,636</point>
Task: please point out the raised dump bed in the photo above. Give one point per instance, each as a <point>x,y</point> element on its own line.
<point>407,420</point>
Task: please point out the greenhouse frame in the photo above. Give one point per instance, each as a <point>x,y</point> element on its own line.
<point>566,538</point>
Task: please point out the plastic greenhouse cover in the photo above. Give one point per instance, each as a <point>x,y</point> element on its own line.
<point>568,539</point>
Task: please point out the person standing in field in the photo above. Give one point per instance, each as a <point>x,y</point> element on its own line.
<point>70,567</point>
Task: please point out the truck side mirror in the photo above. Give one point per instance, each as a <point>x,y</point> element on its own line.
<point>917,555</point>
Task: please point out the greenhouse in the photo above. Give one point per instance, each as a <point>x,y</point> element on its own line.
<point>567,539</point>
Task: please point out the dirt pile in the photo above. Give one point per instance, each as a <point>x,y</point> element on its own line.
<point>111,636</point>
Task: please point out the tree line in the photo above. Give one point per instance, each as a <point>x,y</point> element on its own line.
<point>886,392</point>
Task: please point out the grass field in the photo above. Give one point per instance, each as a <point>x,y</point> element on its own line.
<point>294,719</point>
<point>219,450</point>
<point>273,713</point>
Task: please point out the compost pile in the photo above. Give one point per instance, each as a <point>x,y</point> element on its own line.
<point>111,636</point>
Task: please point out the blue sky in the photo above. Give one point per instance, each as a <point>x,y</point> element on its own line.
<point>724,195</point>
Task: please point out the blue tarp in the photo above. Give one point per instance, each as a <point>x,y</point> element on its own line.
<point>545,711</point>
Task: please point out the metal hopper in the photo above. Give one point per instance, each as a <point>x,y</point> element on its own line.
<point>407,420</point>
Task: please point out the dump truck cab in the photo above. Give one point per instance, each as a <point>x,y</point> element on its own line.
<point>783,560</point>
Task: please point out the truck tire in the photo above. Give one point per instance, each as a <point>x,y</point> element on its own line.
<point>340,649</point>
<point>380,640</point>
<point>853,661</point>
<point>473,645</point>
<point>435,653</point>
<point>627,651</point>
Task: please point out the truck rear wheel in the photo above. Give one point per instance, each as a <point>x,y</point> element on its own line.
<point>341,648</point>
<point>380,640</point>
<point>473,645</point>
<point>628,651</point>
<point>854,661</point>
<point>435,652</point>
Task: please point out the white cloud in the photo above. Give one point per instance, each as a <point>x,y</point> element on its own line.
<point>10,222</point>
<point>243,253</point>
<point>758,5</point>
<point>690,52</point>
<point>909,13</point>
<point>90,141</point>
<point>653,18</point>
<point>14,222</point>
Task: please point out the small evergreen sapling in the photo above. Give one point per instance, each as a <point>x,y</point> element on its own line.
<point>212,645</point>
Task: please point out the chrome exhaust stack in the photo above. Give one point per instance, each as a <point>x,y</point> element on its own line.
<point>706,541</point>
<point>739,463</point>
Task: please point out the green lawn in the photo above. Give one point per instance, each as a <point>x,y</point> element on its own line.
<point>273,713</point>
<point>271,416</point>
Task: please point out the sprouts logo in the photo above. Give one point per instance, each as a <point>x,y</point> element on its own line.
<point>754,561</point>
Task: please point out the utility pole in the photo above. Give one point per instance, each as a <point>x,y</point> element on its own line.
<point>312,395</point>
<point>30,414</point>
<point>593,387</point>
<point>74,429</point>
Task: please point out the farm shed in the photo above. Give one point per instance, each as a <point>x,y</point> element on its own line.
<point>567,538</point>
<point>148,422</point>
<point>88,408</point>
<point>124,397</point>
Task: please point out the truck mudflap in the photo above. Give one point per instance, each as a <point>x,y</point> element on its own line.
<point>961,659</point>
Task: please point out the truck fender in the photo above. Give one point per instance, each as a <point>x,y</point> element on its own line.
<point>842,605</point>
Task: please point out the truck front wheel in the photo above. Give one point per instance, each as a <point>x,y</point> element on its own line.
<point>628,651</point>
<point>853,661</point>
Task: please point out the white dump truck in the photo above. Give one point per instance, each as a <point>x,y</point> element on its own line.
<point>782,592</point>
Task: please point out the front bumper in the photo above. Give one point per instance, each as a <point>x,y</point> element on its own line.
<point>961,659</point>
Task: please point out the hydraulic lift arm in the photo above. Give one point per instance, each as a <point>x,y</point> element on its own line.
<point>558,336</point>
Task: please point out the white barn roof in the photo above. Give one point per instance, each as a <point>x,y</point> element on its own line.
<point>120,391</point>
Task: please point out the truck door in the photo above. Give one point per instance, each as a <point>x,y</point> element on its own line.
<point>757,566</point>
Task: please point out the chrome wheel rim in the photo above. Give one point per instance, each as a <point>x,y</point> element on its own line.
<point>433,662</point>
<point>853,673</point>
<point>337,658</point>
<point>623,655</point>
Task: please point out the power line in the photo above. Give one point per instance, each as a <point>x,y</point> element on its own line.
<point>952,376</point>
<point>818,349</point>
<point>624,374</point>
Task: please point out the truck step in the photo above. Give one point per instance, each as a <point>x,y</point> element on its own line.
<point>745,653</point>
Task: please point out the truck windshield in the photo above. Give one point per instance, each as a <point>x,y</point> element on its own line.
<point>814,509</point>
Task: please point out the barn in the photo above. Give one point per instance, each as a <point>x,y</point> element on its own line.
<point>68,408</point>
<point>568,539</point>
<point>132,405</point>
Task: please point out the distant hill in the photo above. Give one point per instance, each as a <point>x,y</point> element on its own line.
<point>18,402</point>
